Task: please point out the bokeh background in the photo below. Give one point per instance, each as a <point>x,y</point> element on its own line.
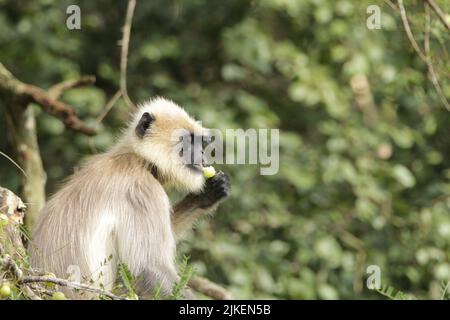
<point>364,173</point>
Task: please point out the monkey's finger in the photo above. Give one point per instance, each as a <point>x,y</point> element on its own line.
<point>220,175</point>
<point>221,188</point>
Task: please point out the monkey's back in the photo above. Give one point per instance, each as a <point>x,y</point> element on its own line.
<point>84,225</point>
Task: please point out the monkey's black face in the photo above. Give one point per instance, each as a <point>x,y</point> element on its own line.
<point>191,153</point>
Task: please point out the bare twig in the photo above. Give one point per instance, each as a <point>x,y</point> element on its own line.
<point>69,284</point>
<point>209,288</point>
<point>109,106</point>
<point>57,90</point>
<point>424,56</point>
<point>439,13</point>
<point>390,4</point>
<point>409,33</point>
<point>14,163</point>
<point>124,52</point>
<point>433,76</point>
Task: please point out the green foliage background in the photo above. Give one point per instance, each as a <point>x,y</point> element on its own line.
<point>350,193</point>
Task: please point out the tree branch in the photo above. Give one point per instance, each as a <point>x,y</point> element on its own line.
<point>409,33</point>
<point>70,284</point>
<point>109,106</point>
<point>432,73</point>
<point>26,93</point>
<point>57,90</point>
<point>124,43</point>
<point>424,56</point>
<point>209,288</point>
<point>58,109</point>
<point>439,13</point>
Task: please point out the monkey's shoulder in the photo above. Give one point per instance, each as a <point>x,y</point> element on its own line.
<point>114,175</point>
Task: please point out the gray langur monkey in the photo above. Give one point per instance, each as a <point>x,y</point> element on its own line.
<point>114,208</point>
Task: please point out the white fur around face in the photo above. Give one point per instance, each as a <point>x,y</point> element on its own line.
<point>160,145</point>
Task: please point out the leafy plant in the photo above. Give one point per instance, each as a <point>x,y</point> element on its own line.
<point>186,272</point>
<point>127,279</point>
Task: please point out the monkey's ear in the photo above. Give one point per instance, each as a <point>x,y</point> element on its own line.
<point>143,125</point>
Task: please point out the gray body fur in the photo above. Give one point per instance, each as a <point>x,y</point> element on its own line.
<point>113,209</point>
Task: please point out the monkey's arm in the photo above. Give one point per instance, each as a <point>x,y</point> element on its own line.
<point>194,205</point>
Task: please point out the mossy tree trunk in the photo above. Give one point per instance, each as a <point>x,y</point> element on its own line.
<point>22,128</point>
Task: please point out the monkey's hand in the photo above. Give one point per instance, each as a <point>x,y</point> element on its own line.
<point>215,190</point>
<point>194,205</point>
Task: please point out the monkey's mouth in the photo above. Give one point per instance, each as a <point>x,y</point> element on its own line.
<point>197,167</point>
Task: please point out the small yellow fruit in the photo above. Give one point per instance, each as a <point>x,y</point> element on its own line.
<point>133,296</point>
<point>209,172</point>
<point>58,295</point>
<point>5,291</point>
